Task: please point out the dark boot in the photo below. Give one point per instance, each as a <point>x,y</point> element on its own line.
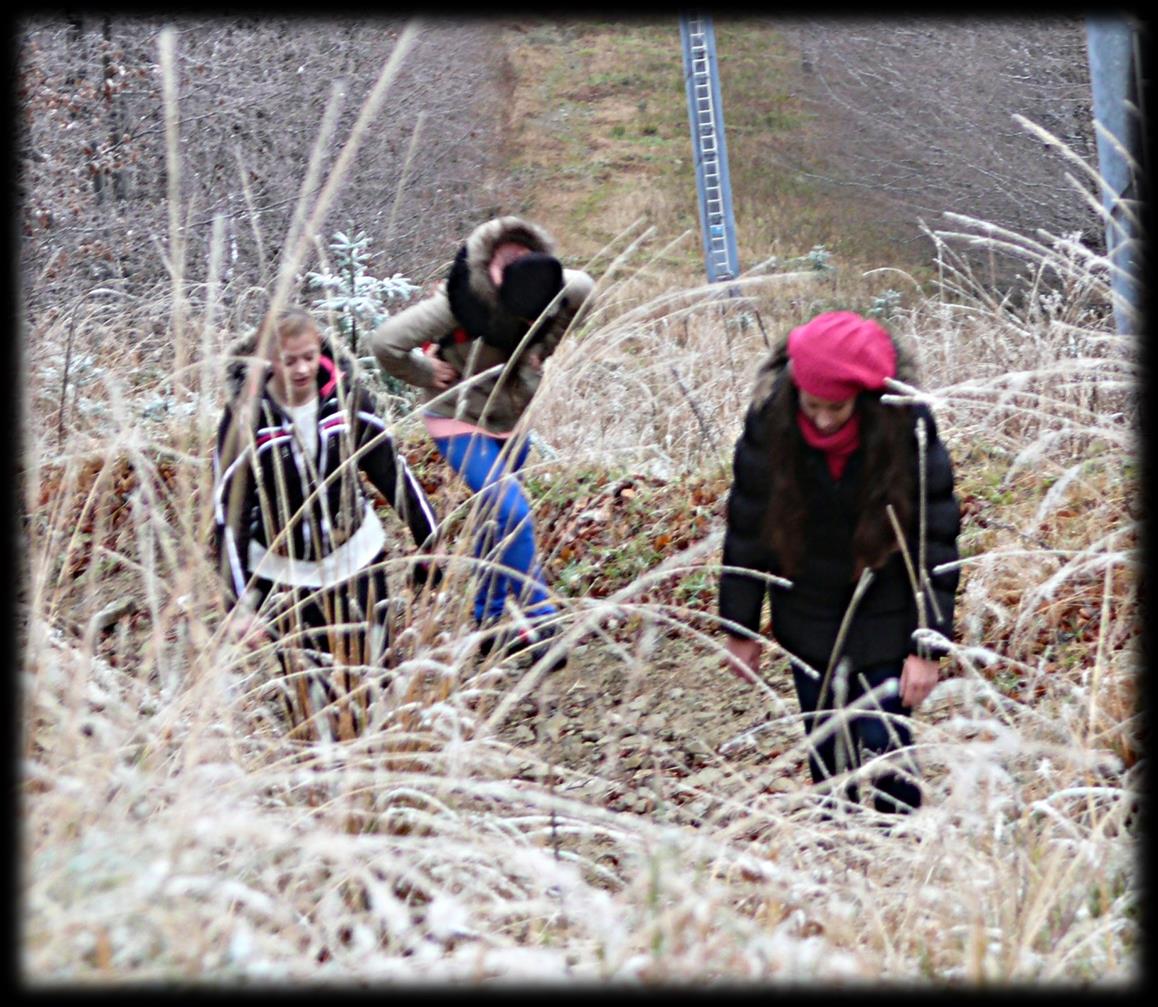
<point>537,638</point>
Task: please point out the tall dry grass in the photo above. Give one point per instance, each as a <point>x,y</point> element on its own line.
<point>171,831</point>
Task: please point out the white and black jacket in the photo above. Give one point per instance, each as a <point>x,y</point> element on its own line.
<point>281,517</point>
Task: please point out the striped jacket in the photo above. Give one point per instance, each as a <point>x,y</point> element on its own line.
<point>282,517</point>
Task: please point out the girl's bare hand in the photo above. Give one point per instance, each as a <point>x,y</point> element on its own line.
<point>918,676</point>
<point>246,627</point>
<point>445,375</point>
<point>743,659</point>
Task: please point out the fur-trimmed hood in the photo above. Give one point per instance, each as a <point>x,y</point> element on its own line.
<point>240,355</point>
<point>473,296</point>
<point>457,319</point>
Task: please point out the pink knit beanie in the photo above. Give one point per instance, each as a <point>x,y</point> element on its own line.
<point>839,353</point>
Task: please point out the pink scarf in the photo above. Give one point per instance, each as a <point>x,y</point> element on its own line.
<point>837,446</point>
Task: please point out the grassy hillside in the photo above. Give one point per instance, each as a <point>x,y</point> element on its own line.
<point>599,139</point>
<point>635,115</point>
<point>642,817</point>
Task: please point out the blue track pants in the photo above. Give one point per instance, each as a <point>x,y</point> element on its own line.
<point>506,535</point>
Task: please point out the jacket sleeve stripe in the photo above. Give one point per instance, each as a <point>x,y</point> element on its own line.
<point>416,493</point>
<point>239,578</point>
<point>222,484</point>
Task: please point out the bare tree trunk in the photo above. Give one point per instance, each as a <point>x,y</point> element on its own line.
<point>116,102</point>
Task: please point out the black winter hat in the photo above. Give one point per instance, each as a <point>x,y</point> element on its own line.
<point>530,283</point>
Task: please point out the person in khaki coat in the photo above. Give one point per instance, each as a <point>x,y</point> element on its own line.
<point>477,347</point>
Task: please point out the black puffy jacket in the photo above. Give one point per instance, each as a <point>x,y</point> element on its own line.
<point>806,617</point>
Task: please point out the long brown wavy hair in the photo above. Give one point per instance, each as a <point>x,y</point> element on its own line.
<point>887,475</point>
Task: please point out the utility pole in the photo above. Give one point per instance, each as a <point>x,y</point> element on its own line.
<point>1115,79</point>
<point>709,148</point>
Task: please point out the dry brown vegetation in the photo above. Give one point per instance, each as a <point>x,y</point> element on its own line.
<point>640,817</point>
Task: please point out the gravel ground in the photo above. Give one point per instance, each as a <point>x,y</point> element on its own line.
<point>675,735</point>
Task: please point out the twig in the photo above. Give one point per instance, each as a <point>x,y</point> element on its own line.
<point>108,615</point>
<point>707,431</point>
<point>763,332</point>
<point>64,378</point>
<point>862,585</point>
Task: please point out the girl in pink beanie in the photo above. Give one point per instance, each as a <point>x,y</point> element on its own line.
<point>819,464</point>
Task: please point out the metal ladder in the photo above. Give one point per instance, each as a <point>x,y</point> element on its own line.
<point>709,147</point>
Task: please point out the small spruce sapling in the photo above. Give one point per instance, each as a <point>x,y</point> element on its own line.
<point>357,301</point>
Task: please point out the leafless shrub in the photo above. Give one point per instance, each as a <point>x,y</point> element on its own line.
<point>253,94</point>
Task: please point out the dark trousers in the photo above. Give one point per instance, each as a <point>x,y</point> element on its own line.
<point>350,623</point>
<point>879,728</point>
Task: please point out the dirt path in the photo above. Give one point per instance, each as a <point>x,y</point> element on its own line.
<point>672,736</point>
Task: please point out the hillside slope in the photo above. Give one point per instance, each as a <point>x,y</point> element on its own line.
<point>841,132</point>
<point>641,817</point>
